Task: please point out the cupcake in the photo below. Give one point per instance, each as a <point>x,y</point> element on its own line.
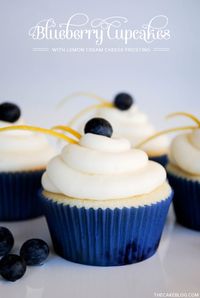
<point>183,171</point>
<point>23,158</point>
<point>130,123</point>
<point>105,203</point>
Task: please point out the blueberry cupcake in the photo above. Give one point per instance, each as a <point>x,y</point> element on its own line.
<point>130,123</point>
<point>23,158</point>
<point>183,171</point>
<point>105,203</point>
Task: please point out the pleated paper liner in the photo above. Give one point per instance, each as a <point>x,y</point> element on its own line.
<point>186,201</point>
<point>162,159</point>
<point>105,237</point>
<point>19,198</point>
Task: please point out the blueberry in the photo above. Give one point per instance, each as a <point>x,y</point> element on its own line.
<point>34,251</point>
<point>6,241</point>
<point>123,101</point>
<point>9,112</point>
<point>12,267</point>
<point>99,126</point>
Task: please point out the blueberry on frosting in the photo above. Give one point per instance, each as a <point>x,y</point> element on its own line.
<point>99,126</point>
<point>123,101</point>
<point>9,112</point>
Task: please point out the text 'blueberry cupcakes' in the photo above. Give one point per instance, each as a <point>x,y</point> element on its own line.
<point>105,203</point>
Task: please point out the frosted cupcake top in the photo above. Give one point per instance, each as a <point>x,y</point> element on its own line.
<point>185,152</point>
<point>101,168</point>
<point>21,150</point>
<point>135,126</point>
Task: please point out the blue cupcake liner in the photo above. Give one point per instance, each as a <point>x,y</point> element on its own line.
<point>19,197</point>
<point>162,159</point>
<point>186,201</point>
<point>105,237</point>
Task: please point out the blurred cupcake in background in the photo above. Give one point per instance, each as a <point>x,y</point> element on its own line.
<point>183,171</point>
<point>128,122</point>
<point>23,159</point>
<point>105,202</point>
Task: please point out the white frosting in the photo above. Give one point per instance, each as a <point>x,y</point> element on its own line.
<point>23,150</point>
<point>134,126</point>
<point>102,168</point>
<point>185,152</point>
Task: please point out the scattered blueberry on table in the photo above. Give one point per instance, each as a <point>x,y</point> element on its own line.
<point>6,241</point>
<point>12,267</point>
<point>34,252</point>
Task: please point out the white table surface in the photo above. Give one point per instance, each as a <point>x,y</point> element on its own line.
<point>175,268</point>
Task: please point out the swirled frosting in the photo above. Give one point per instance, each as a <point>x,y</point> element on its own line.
<point>23,150</point>
<point>102,168</point>
<point>185,152</point>
<point>135,126</point>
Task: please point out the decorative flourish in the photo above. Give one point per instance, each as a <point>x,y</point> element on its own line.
<point>39,130</point>
<point>49,23</point>
<point>154,22</point>
<point>76,19</point>
<point>115,21</point>
<point>173,129</point>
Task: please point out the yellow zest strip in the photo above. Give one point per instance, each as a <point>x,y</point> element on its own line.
<point>86,110</point>
<point>40,130</point>
<point>86,94</point>
<point>68,129</point>
<point>188,115</point>
<point>163,132</point>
